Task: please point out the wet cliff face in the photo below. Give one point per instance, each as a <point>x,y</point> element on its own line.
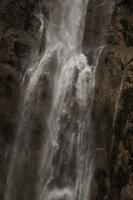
<point>19,26</point>
<point>18,29</point>
<point>113,102</point>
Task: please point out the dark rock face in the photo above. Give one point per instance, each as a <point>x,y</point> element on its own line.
<point>18,30</point>
<point>19,27</point>
<point>115,78</point>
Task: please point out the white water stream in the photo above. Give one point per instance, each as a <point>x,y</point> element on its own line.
<point>67,160</point>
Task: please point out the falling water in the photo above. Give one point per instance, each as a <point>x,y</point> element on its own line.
<point>118,100</point>
<point>67,160</point>
<point>116,110</point>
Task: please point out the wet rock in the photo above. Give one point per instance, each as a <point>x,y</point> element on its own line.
<point>127,191</point>
<point>115,64</point>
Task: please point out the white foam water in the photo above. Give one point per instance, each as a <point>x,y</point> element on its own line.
<point>67,160</point>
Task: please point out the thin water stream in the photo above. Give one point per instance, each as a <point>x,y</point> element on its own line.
<point>117,109</point>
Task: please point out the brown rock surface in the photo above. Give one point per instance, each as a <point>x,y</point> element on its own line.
<point>114,75</point>
<point>127,191</point>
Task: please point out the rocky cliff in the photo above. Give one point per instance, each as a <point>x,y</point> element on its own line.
<point>114,108</point>
<point>113,105</point>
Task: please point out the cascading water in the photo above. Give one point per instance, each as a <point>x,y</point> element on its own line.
<point>67,161</point>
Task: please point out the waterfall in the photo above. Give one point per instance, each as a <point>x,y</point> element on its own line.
<point>67,160</point>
